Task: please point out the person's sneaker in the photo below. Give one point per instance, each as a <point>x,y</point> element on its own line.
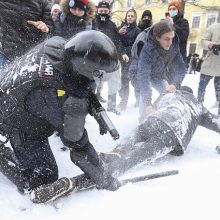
<point>114,110</point>
<point>50,192</point>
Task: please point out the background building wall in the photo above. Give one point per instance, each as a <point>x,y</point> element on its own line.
<point>199,13</point>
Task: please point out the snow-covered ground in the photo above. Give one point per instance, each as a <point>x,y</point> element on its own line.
<point>192,194</point>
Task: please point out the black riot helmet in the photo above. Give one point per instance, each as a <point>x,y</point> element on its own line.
<point>91,54</point>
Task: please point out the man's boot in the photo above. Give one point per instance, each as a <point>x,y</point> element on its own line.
<point>86,158</point>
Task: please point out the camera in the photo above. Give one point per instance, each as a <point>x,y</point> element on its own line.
<point>216,49</point>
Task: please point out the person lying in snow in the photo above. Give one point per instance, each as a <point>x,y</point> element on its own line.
<point>168,129</point>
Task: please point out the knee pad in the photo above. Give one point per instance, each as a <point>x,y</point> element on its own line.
<point>75,110</point>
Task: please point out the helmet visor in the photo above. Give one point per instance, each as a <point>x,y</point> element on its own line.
<point>102,76</point>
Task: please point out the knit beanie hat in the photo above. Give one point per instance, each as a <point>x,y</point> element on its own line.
<point>103,4</point>
<point>146,13</point>
<point>55,7</point>
<point>177,4</point>
<point>82,4</point>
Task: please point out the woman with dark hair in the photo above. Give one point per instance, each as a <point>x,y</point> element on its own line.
<point>146,20</point>
<point>160,65</point>
<point>128,32</point>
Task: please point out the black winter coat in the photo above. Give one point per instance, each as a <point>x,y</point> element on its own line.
<point>109,28</point>
<point>182,30</point>
<point>70,25</point>
<point>128,39</point>
<point>18,36</point>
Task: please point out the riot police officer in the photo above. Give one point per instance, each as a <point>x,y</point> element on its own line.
<point>30,110</point>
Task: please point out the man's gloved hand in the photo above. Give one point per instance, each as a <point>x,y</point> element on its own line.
<point>109,183</point>
<point>102,130</point>
<point>216,49</point>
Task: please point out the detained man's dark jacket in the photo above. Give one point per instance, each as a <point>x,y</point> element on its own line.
<point>167,130</point>
<point>182,112</point>
<point>18,36</point>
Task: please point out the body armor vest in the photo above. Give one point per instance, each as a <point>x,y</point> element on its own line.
<point>30,72</point>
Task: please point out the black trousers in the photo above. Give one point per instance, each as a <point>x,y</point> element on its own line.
<point>35,160</point>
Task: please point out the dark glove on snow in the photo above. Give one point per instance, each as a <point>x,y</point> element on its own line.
<point>109,183</point>
<point>216,49</point>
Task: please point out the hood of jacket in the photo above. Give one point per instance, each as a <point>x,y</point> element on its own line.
<point>90,12</point>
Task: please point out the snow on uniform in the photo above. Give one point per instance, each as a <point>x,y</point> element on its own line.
<point>31,71</point>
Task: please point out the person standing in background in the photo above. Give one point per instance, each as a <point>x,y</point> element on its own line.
<point>146,20</point>
<point>104,24</point>
<point>211,64</point>
<point>55,10</point>
<point>128,32</point>
<point>180,24</point>
<point>76,16</point>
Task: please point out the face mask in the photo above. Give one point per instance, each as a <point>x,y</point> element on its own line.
<point>103,17</point>
<point>173,13</point>
<point>146,22</point>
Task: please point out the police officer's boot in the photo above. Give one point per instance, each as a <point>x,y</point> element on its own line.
<point>87,159</point>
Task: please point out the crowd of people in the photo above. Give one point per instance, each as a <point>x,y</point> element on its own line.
<point>73,46</point>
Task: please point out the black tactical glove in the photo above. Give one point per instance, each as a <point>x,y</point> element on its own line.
<point>216,49</point>
<point>109,183</point>
<point>102,129</point>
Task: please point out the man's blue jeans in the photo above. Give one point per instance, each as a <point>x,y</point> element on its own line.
<point>204,80</point>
